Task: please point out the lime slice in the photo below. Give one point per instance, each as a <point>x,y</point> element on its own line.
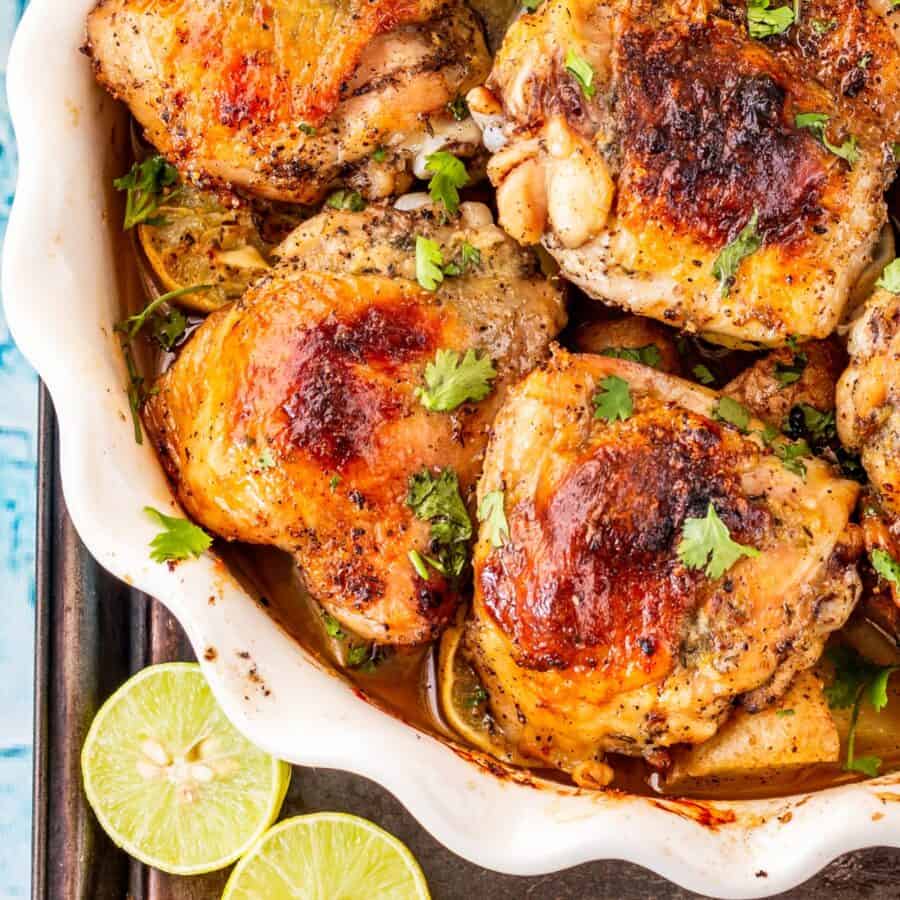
<point>171,780</point>
<point>327,856</point>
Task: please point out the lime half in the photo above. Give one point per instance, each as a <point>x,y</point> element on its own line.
<point>171,780</point>
<point>327,856</point>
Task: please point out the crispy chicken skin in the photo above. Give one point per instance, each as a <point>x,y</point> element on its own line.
<point>284,98</point>
<point>868,395</point>
<point>686,130</point>
<point>588,632</point>
<point>290,417</point>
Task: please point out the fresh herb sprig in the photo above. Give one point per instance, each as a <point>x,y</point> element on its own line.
<point>452,379</point>
<point>436,499</point>
<point>727,263</point>
<point>448,175</point>
<point>817,123</point>
<point>492,515</point>
<point>706,544</point>
<point>148,184</point>
<point>178,540</point>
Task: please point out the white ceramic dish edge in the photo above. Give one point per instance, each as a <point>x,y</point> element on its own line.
<point>60,285</point>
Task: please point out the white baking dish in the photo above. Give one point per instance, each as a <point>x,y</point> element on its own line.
<point>61,285</point>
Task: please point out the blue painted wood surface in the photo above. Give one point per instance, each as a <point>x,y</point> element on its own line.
<point>18,414</point>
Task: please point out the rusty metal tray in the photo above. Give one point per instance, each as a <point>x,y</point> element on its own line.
<point>93,632</point>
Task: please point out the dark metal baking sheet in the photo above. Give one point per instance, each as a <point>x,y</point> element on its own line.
<point>93,632</point>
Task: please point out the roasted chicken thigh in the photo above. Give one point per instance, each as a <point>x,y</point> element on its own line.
<point>594,627</point>
<point>680,168</point>
<point>284,98</point>
<point>292,418</point>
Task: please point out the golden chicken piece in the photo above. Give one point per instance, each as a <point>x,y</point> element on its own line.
<point>676,166</point>
<point>657,565</point>
<point>306,432</point>
<point>868,395</point>
<point>286,98</point>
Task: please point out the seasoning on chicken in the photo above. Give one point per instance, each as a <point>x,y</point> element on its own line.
<point>301,416</point>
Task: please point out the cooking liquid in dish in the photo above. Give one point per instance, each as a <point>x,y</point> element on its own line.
<point>405,683</point>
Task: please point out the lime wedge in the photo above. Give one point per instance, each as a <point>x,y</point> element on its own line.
<point>327,856</point>
<point>171,780</point>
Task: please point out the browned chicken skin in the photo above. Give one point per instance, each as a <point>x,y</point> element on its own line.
<point>588,631</point>
<point>290,417</point>
<point>687,131</point>
<point>285,98</point>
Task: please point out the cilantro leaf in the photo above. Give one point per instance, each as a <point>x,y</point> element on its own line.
<point>379,154</point>
<point>791,456</point>
<point>647,355</point>
<point>531,5</point>
<point>823,26</point>
<point>763,21</point>
<point>418,564</point>
<point>179,539</point>
<point>437,500</point>
<point>168,329</point>
<point>732,254</point>
<point>133,324</point>
<point>890,277</point>
<point>429,262</point>
<point>492,514</point>
<point>307,129</point>
<point>146,185</point>
<point>820,426</point>
<point>816,123</point>
<point>885,565</point>
<point>582,71</point>
<point>867,765</point>
<point>613,399</point>
<point>351,200</point>
<point>856,679</point>
<point>333,627</point>
<point>731,412</point>
<point>783,713</point>
<point>448,176</point>
<point>459,108</point>
<point>468,257</point>
<point>787,374</point>
<point>706,544</point>
<point>265,460</point>
<point>451,381</point>
<point>703,375</point>
<point>333,483</point>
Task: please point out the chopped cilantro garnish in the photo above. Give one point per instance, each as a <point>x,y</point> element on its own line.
<point>890,277</point>
<point>436,499</point>
<point>648,355</point>
<point>787,374</point>
<point>823,26</point>
<point>146,184</point>
<point>782,713</point>
<point>706,544</point>
<point>351,200</point>
<point>582,71</point>
<point>791,456</point>
<point>332,627</point>
<point>459,109</point>
<point>467,258</point>
<point>732,254</point>
<point>452,380</point>
<point>886,566</point>
<point>856,679</point>
<point>703,375</point>
<point>379,155</point>
<point>531,5</point>
<point>168,329</point>
<point>816,123</point>
<point>732,413</point>
<point>492,515</point>
<point>179,539</point>
<point>333,483</point>
<point>763,21</point>
<point>613,399</point>
<point>448,176</point>
<point>307,129</point>
<point>133,324</point>
<point>429,263</point>
<point>478,696</point>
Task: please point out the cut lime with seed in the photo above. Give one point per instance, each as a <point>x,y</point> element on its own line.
<point>171,780</point>
<point>327,856</point>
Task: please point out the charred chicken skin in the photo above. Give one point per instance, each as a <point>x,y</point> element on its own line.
<point>291,418</point>
<point>680,168</point>
<point>593,629</point>
<point>285,98</point>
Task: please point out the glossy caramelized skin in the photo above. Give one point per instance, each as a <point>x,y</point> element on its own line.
<point>284,98</point>
<point>686,132</point>
<point>290,418</point>
<point>588,631</point>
